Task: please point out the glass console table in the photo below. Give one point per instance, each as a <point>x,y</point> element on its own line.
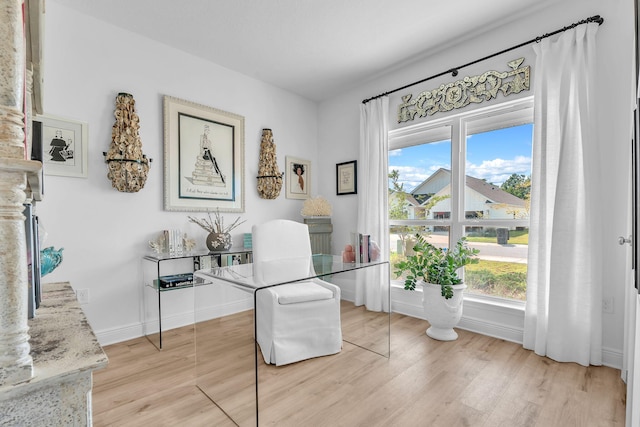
<point>171,274</point>
<point>230,369</point>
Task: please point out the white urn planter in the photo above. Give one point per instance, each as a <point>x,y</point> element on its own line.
<point>442,314</point>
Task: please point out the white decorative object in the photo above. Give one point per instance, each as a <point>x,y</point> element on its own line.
<point>316,206</point>
<point>172,241</point>
<point>441,313</point>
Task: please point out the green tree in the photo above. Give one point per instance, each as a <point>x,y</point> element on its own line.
<point>518,185</point>
<point>397,197</point>
<point>398,209</point>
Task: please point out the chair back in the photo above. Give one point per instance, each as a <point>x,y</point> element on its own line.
<point>281,251</point>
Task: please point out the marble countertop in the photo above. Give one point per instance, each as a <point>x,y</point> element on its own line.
<point>62,341</point>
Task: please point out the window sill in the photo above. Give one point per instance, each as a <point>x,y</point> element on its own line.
<point>495,317</point>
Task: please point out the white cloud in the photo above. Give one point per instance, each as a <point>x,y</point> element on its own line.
<point>412,176</point>
<point>498,170</point>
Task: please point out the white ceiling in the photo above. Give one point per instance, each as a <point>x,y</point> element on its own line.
<point>315,48</point>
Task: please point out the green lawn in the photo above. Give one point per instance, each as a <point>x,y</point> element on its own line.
<point>501,279</point>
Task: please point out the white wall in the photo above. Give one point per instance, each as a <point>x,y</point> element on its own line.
<point>104,233</point>
<point>339,121</point>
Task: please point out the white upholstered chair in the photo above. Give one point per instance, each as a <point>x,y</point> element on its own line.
<point>295,321</point>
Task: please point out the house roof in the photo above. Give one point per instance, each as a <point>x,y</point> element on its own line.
<point>493,193</point>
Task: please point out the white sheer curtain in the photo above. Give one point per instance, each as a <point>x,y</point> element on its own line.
<point>563,318</point>
<point>371,289</point>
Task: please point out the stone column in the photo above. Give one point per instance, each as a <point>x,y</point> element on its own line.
<point>16,364</point>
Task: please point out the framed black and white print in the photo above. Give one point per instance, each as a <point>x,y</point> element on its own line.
<point>64,146</point>
<point>347,178</point>
<point>203,158</point>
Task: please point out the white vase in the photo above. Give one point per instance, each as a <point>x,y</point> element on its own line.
<point>442,314</point>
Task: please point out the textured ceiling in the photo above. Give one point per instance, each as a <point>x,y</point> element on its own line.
<point>315,48</point>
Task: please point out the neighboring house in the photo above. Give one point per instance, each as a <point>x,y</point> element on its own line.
<point>481,199</point>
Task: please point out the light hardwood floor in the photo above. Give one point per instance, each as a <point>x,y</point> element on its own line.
<point>474,381</point>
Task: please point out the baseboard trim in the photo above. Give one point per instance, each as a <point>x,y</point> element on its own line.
<point>509,328</point>
<point>116,335</point>
<point>402,302</point>
<point>137,330</point>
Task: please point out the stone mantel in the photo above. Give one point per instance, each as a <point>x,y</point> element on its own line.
<point>65,352</point>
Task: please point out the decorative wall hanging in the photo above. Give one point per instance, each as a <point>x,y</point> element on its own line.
<point>298,178</point>
<point>473,89</point>
<point>203,158</point>
<point>64,146</point>
<point>269,175</point>
<point>128,167</point>
<point>347,178</point>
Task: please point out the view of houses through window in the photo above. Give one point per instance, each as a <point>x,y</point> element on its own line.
<point>474,184</point>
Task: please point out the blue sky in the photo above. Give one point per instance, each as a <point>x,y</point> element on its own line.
<point>493,156</point>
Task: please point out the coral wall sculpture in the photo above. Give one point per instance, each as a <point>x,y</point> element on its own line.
<point>128,167</point>
<point>269,176</point>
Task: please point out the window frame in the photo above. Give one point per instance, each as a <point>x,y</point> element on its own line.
<point>493,117</point>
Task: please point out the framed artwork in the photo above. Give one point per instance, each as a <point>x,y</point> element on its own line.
<point>347,178</point>
<point>298,181</point>
<point>203,158</point>
<point>64,146</point>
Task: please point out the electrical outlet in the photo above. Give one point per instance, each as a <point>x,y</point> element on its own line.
<point>607,304</point>
<point>83,296</point>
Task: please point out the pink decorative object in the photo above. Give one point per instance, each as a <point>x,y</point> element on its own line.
<point>348,255</point>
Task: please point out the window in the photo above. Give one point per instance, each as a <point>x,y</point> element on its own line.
<point>467,175</point>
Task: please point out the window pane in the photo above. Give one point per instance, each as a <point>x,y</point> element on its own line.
<point>497,188</point>
<point>402,239</point>
<point>420,181</point>
<point>498,174</point>
<point>502,267</point>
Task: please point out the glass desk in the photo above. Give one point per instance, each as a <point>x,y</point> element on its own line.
<point>176,269</point>
<point>230,367</point>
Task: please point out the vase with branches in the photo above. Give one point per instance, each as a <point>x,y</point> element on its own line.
<point>219,237</point>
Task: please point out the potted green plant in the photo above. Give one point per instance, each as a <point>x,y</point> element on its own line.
<point>436,270</point>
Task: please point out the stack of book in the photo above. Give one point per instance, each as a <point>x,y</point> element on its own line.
<point>362,246</point>
<point>174,241</point>
<point>175,281</point>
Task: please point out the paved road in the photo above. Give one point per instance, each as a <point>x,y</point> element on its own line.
<point>488,251</point>
<point>496,252</point>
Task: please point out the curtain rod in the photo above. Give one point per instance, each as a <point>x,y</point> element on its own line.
<point>454,71</point>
